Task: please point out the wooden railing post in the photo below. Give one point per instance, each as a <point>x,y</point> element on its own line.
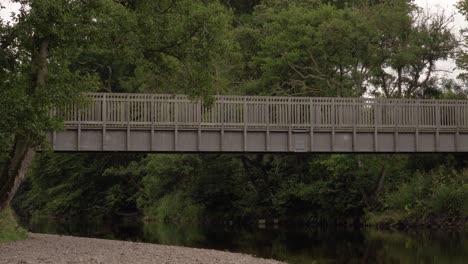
<point>245,113</point>
<point>376,123</point>
<point>153,119</point>
<point>223,115</point>
<point>457,126</point>
<point>104,120</point>
<point>78,136</point>
<point>417,117</point>
<point>128,121</point>
<point>333,123</point>
<point>290,121</point>
<point>199,125</point>
<point>267,119</point>
<point>396,112</point>
<point>354,123</point>
<point>312,125</point>
<point>176,123</point>
<point>438,124</point>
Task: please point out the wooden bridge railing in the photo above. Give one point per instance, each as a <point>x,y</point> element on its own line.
<point>147,110</point>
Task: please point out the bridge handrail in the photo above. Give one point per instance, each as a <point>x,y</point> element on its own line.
<point>146,110</point>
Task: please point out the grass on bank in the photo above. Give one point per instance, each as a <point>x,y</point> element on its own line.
<point>9,228</point>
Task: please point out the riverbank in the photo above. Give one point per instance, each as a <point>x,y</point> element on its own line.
<point>9,229</point>
<point>41,248</point>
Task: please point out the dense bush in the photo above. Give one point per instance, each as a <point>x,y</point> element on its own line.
<point>437,197</point>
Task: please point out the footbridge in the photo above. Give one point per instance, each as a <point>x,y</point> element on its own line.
<point>175,123</point>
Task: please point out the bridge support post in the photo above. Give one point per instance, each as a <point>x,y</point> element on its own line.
<point>437,143</point>
<point>290,121</point>
<point>354,139</point>
<point>457,132</point>
<point>104,121</point>
<point>333,123</point>
<point>128,122</point>
<point>54,139</point>
<point>376,122</point>
<point>78,135</point>
<point>416,117</point>
<point>267,132</point>
<point>417,139</point>
<point>312,120</point>
<point>395,135</point>
<point>245,124</point>
<point>221,143</point>
<point>176,124</point>
<point>199,136</point>
<point>152,137</point>
<point>199,121</point>
<point>153,119</point>
<point>354,120</point>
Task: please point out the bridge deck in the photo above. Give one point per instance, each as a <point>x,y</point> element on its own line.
<point>167,123</point>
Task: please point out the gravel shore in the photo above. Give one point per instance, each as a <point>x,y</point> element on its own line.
<point>52,249</point>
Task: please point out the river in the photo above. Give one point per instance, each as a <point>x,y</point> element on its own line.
<point>289,244</point>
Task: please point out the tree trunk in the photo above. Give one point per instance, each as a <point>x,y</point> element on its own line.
<point>22,152</point>
<point>380,184</point>
<point>15,169</point>
<point>383,173</point>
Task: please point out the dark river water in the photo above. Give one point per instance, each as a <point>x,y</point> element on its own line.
<point>289,244</point>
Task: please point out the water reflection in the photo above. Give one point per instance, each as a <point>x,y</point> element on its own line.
<point>296,246</point>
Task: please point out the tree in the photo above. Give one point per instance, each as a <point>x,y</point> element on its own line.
<point>323,51</point>
<point>35,79</point>
<point>58,49</point>
<point>388,48</point>
<point>410,43</point>
<point>462,56</point>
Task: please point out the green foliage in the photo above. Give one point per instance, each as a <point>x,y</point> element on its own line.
<point>440,196</point>
<point>173,192</point>
<point>462,58</point>
<point>9,229</point>
<point>277,47</point>
<point>30,84</point>
<point>55,50</point>
<point>325,189</point>
<point>176,207</point>
<point>169,46</point>
<point>311,189</point>
<point>343,48</point>
<point>314,51</point>
<point>77,184</point>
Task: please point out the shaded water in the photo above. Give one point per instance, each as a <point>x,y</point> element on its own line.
<point>292,245</point>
